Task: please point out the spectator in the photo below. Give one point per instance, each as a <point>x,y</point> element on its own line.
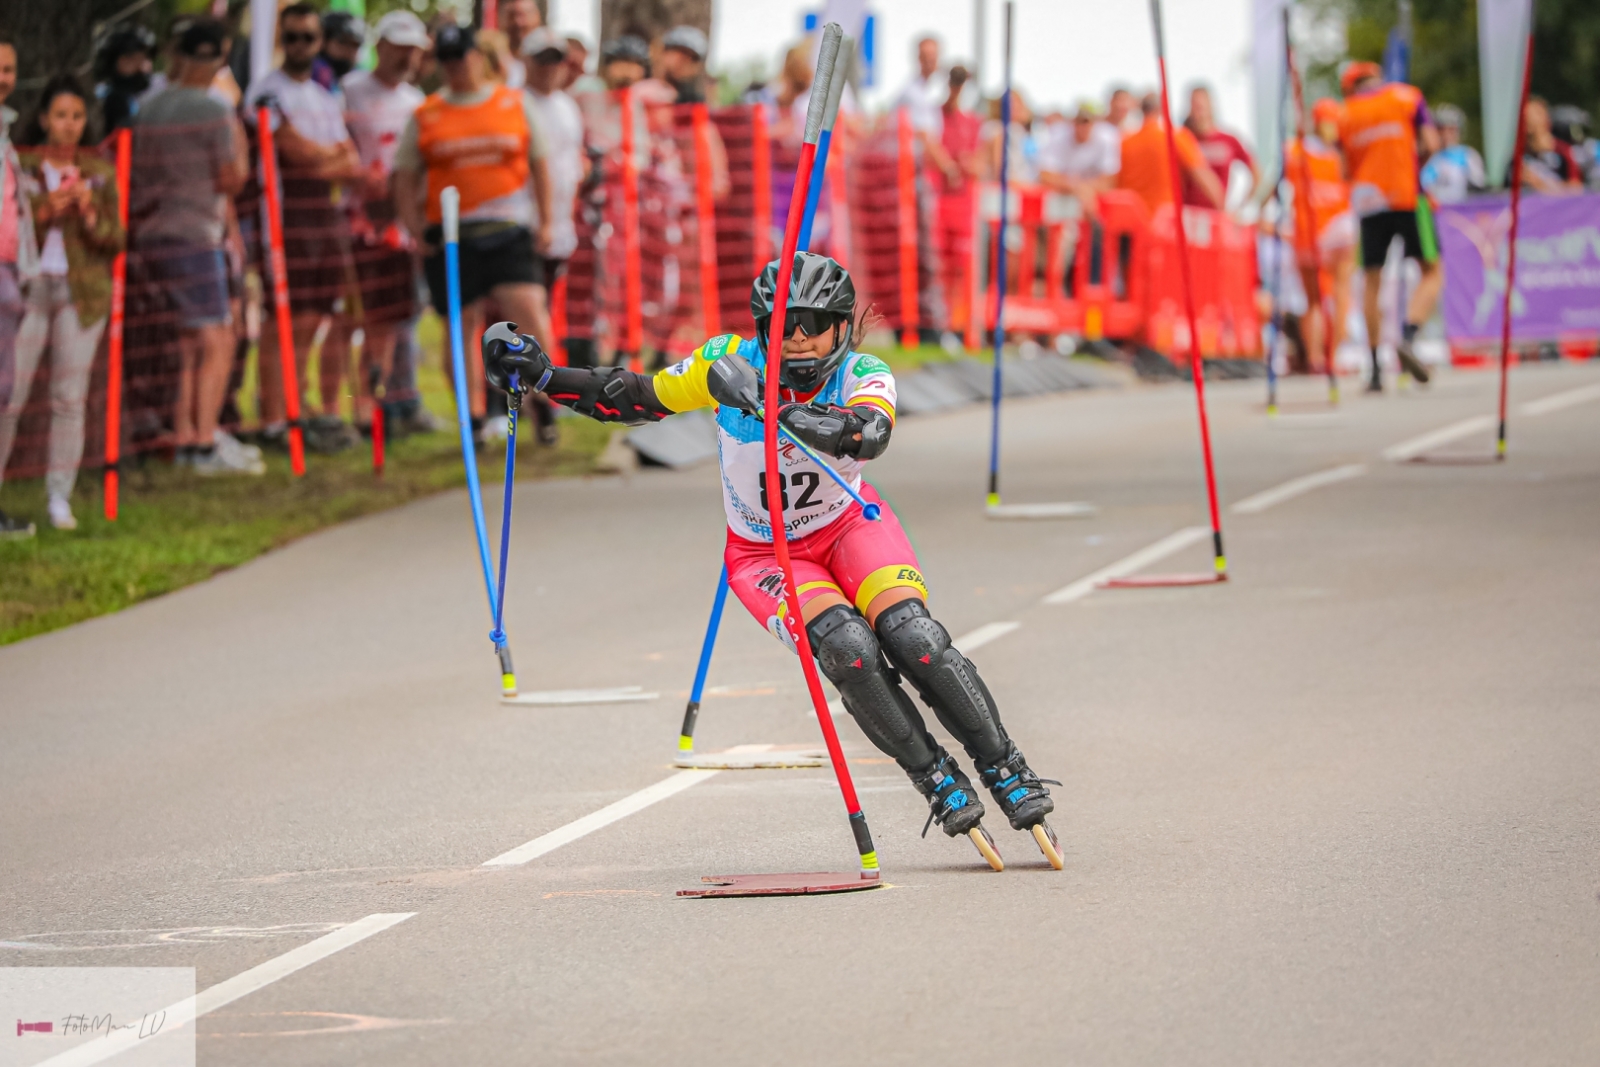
<point>188,159</point>
<point>1023,166</point>
<point>624,62</point>
<point>1147,168</point>
<point>1379,128</point>
<point>378,105</point>
<point>1455,171</point>
<point>562,126</point>
<point>1571,127</point>
<point>342,37</point>
<point>73,196</point>
<point>1323,231</point>
<point>1547,163</point>
<point>19,258</point>
<point>1220,149</point>
<point>683,63</point>
<point>122,65</point>
<point>1083,159</point>
<point>958,164</point>
<point>1120,112</point>
<point>924,94</point>
<point>517,19</point>
<point>315,157</point>
<point>578,78</point>
<point>486,141</point>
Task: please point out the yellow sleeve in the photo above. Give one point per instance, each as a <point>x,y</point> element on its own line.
<point>682,386</point>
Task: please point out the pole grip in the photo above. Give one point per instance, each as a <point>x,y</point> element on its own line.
<point>827,57</point>
<point>841,75</point>
<point>450,211</point>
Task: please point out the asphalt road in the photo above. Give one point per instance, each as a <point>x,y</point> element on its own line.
<point>1341,810</point>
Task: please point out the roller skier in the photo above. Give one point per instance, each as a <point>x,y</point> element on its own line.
<point>860,586</point>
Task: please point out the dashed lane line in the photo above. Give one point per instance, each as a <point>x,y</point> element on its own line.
<point>1130,564</point>
<point>1416,446</point>
<point>1571,398</point>
<point>989,631</point>
<point>1294,487</point>
<point>229,990</point>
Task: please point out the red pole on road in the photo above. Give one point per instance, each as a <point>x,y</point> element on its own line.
<point>114,340</point>
<point>280,292</point>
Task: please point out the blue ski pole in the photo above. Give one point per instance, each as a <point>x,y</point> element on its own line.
<point>1000,273</point>
<point>692,712</point>
<point>514,401</point>
<point>450,209</point>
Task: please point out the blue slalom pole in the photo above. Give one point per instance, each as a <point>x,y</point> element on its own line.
<point>498,635</point>
<point>869,510</point>
<point>835,90</point>
<point>692,712</point>
<point>450,209</point>
<point>1000,273</point>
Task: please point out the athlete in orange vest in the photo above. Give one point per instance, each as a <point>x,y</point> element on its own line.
<point>1378,131</point>
<point>483,138</point>
<point>1324,231</point>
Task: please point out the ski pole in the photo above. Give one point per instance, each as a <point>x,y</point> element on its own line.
<point>1196,363</point>
<point>513,403</point>
<point>1511,249</point>
<point>450,211</point>
<point>692,712</point>
<point>1000,272</point>
<point>819,172</point>
<point>780,545</point>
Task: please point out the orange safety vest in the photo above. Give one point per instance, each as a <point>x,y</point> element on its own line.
<point>1146,166</point>
<point>481,149</point>
<point>1378,132</point>
<point>1329,195</point>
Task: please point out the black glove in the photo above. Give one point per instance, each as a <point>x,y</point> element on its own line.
<point>507,352</point>
<point>733,383</point>
<point>862,433</point>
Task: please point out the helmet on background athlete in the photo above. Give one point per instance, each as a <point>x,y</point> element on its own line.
<point>821,297</point>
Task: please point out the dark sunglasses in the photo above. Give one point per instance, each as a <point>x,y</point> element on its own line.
<point>301,38</point>
<point>812,321</point>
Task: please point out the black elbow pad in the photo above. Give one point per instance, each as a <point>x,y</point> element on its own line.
<point>606,394</point>
<point>875,430</point>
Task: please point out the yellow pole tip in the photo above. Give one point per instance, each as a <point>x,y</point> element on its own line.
<point>993,500</point>
<point>869,861</point>
<point>1222,564</point>
<point>508,685</point>
<point>685,743</point>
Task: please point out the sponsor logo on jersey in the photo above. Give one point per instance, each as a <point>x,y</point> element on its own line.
<point>909,574</point>
<point>771,583</point>
<point>680,368</point>
<point>866,364</point>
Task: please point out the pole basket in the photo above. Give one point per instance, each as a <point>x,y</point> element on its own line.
<point>783,885</point>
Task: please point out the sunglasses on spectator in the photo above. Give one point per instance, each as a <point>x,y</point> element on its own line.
<point>301,38</point>
<point>811,321</point>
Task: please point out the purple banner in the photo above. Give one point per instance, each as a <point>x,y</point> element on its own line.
<point>1557,293</point>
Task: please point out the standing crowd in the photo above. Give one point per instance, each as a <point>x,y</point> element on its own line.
<point>521,128</point>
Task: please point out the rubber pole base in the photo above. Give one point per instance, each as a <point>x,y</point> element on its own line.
<point>783,885</point>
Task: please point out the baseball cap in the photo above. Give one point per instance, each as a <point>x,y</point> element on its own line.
<point>1088,109</point>
<point>686,39</point>
<point>202,39</point>
<point>452,42</point>
<point>404,29</point>
<point>542,41</point>
<point>628,48</point>
<point>1356,73</point>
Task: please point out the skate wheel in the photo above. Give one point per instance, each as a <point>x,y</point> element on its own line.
<point>1046,839</point>
<point>985,844</point>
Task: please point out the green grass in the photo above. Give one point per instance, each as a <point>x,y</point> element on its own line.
<point>176,528</point>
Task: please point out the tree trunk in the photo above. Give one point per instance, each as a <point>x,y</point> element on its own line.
<point>652,18</point>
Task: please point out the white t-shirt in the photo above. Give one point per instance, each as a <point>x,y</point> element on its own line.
<point>53,255</point>
<point>313,111</point>
<point>924,98</point>
<point>1098,157</point>
<point>376,115</point>
<point>562,125</point>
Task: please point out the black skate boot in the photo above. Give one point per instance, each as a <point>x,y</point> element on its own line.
<point>952,802</point>
<point>1023,797</point>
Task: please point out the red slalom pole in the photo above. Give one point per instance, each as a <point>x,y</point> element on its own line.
<point>780,542</point>
<point>1196,363</point>
<point>906,178</point>
<point>632,269</point>
<point>114,340</point>
<point>280,292</point>
<point>760,187</point>
<point>1511,248</point>
<point>706,223</point>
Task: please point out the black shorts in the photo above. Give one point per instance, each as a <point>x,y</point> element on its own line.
<point>547,270</point>
<point>491,254</point>
<point>1377,231</point>
<point>388,290</point>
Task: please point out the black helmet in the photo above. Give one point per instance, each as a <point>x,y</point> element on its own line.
<point>1569,123</point>
<point>818,285</point>
<point>343,26</point>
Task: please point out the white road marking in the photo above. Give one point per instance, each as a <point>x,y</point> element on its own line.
<point>1129,564</point>
<point>627,694</point>
<point>607,815</point>
<point>1292,488</point>
<point>1569,399</point>
<point>989,631</point>
<point>1416,446</point>
<point>1070,509</point>
<point>240,985</point>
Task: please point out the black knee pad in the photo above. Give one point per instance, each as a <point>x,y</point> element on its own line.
<point>848,653</point>
<point>946,680</point>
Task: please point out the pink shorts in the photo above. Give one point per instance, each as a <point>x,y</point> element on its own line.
<point>851,557</point>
